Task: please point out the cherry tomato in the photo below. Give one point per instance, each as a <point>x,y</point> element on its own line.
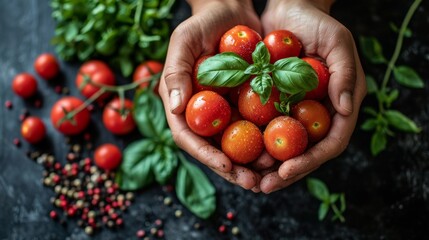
<point>108,156</point>
<point>33,129</point>
<point>119,119</point>
<point>207,113</point>
<point>147,69</point>
<point>241,40</point>
<point>282,44</point>
<point>242,142</point>
<point>24,85</point>
<point>315,118</point>
<point>71,126</point>
<point>323,76</point>
<point>92,73</point>
<point>197,87</point>
<point>46,65</point>
<point>252,109</point>
<point>285,138</point>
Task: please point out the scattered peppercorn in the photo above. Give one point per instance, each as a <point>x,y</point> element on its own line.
<point>8,104</point>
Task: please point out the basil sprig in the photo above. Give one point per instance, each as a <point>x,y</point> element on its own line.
<point>156,158</point>
<point>291,76</point>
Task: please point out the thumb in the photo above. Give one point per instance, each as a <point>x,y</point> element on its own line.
<point>178,70</point>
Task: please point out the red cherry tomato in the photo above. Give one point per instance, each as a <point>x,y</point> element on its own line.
<point>282,44</point>
<point>241,40</point>
<point>252,109</point>
<point>24,85</point>
<point>118,118</point>
<point>197,87</point>
<point>46,65</point>
<point>71,126</point>
<point>315,118</point>
<point>323,76</point>
<point>145,70</point>
<point>207,113</point>
<point>285,138</point>
<point>91,74</point>
<point>242,142</point>
<point>108,156</point>
<point>33,129</point>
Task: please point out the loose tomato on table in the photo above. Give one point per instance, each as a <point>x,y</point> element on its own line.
<point>24,85</point>
<point>282,44</point>
<point>33,129</point>
<point>46,65</point>
<point>108,156</point>
<point>145,70</point>
<point>314,116</point>
<point>241,40</point>
<point>92,74</point>
<point>242,142</point>
<point>285,138</point>
<point>118,117</point>
<point>69,125</point>
<point>207,113</point>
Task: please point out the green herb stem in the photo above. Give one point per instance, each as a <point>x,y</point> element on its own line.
<point>337,212</point>
<point>398,47</point>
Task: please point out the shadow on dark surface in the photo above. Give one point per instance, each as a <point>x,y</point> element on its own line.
<point>387,195</point>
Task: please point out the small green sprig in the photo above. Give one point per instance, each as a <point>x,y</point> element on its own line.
<point>383,118</point>
<point>319,190</point>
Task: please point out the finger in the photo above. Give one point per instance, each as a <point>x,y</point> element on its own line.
<point>273,182</point>
<point>196,146</point>
<point>256,188</point>
<point>240,176</point>
<point>264,161</point>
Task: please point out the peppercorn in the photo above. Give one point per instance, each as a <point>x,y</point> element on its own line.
<point>140,233</point>
<point>235,230</point>
<point>230,215</point>
<point>222,228</point>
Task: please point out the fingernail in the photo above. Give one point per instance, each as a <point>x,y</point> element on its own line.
<point>175,99</point>
<point>346,102</point>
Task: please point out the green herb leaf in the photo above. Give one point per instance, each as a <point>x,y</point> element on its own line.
<point>323,210</point>
<point>407,77</point>
<point>135,170</point>
<point>262,85</point>
<point>194,190</point>
<point>333,198</point>
<point>401,122</point>
<point>407,32</point>
<point>293,75</point>
<point>223,70</point>
<point>166,165</point>
<point>261,55</point>
<point>378,142</point>
<point>149,114</point>
<point>372,49</point>
<point>342,202</point>
<point>369,124</point>
<point>371,111</point>
<point>318,189</point>
<point>371,84</point>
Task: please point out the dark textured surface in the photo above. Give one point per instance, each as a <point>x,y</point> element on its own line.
<point>387,196</point>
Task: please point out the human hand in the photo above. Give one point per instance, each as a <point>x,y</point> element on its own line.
<point>195,37</point>
<point>323,36</point>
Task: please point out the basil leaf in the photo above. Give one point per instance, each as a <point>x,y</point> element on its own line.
<point>262,85</point>
<point>323,210</point>
<point>293,75</point>
<point>194,190</point>
<point>407,77</point>
<point>135,170</point>
<point>149,114</point>
<point>223,70</point>
<point>261,55</point>
<point>333,197</point>
<point>318,189</point>
<point>378,142</point>
<point>401,122</point>
<point>371,84</point>
<point>369,124</point>
<point>166,165</point>
<point>372,50</point>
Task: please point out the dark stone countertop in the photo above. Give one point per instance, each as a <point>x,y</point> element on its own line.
<point>387,195</point>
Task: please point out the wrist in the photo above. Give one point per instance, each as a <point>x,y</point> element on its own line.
<point>197,5</point>
<point>323,5</point>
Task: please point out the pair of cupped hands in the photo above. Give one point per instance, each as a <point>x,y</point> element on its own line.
<point>320,34</point>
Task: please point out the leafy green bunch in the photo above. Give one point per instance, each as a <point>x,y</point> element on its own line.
<point>126,32</point>
<point>383,118</point>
